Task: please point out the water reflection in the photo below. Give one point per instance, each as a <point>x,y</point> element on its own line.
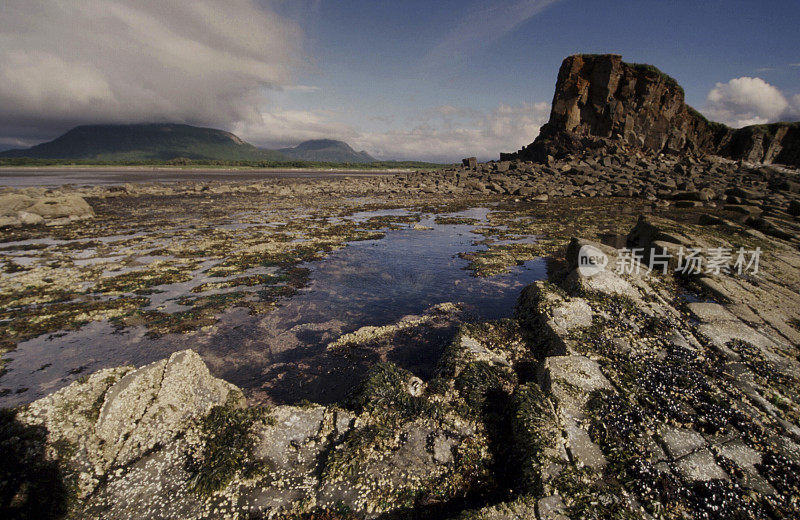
<point>280,356</point>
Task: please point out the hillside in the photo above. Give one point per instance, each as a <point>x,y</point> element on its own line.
<point>599,98</point>
<point>144,142</point>
<point>326,150</point>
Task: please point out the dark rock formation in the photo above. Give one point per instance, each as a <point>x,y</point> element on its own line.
<point>775,143</point>
<point>600,101</point>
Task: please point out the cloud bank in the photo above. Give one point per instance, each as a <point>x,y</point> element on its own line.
<point>443,134</point>
<point>204,62</point>
<point>278,127</point>
<point>454,133</point>
<point>749,101</point>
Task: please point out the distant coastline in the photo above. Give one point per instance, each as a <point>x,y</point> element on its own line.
<point>212,168</point>
<point>216,165</point>
<point>93,175</point>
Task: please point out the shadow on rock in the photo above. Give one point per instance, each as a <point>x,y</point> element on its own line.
<point>327,377</point>
<point>31,486</point>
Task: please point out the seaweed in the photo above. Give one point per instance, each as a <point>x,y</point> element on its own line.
<point>228,438</point>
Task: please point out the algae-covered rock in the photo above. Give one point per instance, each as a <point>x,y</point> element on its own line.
<point>154,403</point>
<point>520,509</point>
<point>115,416</point>
<point>607,396</point>
<point>539,451</point>
<point>549,315</point>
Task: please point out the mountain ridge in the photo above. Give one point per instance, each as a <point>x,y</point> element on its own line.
<point>147,141</point>
<point>332,150</point>
<point>171,141</point>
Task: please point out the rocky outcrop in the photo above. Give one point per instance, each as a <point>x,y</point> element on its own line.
<point>601,97</point>
<point>168,440</point>
<point>116,416</point>
<point>775,143</point>
<point>600,100</point>
<point>17,209</point>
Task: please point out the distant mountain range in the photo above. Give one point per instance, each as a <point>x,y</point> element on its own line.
<point>164,142</point>
<point>326,150</point>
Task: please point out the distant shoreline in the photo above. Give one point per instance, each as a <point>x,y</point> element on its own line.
<point>211,168</point>
<point>52,176</point>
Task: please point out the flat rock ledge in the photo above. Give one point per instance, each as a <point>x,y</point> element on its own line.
<point>606,396</point>
<point>30,207</point>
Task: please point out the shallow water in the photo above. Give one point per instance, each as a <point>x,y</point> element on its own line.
<point>25,177</point>
<point>280,356</point>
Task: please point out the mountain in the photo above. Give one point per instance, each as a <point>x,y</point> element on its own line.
<point>326,150</point>
<point>145,142</point>
<point>599,98</point>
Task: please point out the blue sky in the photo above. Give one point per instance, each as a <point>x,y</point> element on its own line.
<point>412,79</point>
<point>372,49</point>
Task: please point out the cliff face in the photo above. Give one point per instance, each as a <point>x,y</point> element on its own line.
<point>600,99</point>
<point>775,143</point>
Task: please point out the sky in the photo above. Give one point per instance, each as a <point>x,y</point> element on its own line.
<point>410,79</point>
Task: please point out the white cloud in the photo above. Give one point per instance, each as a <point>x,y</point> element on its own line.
<point>746,101</point>
<point>794,107</point>
<point>482,24</point>
<point>442,134</point>
<point>80,61</point>
<point>7,143</point>
<point>277,127</point>
<point>450,138</point>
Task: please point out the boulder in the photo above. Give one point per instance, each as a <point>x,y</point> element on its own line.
<point>155,403</point>
<point>470,162</point>
<point>116,416</point>
<point>29,219</point>
<point>503,166</point>
<point>11,203</point>
<point>27,210</point>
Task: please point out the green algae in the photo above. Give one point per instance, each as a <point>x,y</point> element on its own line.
<point>228,444</point>
<point>532,422</point>
<point>136,281</point>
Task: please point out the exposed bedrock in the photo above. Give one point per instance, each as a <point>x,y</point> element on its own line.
<point>610,395</point>
<point>600,100</point>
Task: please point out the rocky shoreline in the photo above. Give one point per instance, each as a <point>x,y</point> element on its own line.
<point>616,170</point>
<point>178,227</point>
<point>627,395</point>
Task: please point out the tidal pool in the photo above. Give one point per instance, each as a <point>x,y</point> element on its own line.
<point>281,356</point>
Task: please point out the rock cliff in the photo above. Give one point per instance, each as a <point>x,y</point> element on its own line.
<point>775,143</point>
<point>600,101</point>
